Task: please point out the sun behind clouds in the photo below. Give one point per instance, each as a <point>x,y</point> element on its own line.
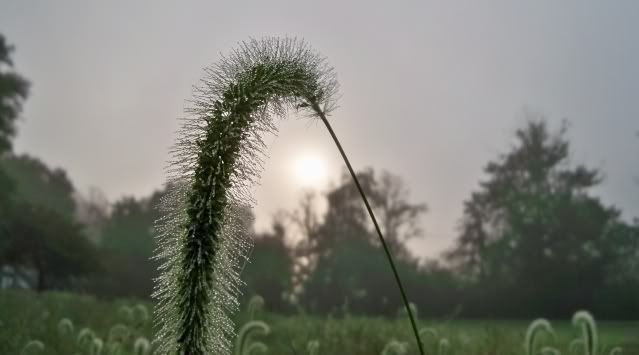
<point>309,170</point>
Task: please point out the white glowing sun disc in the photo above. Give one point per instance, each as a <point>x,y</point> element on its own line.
<point>310,170</point>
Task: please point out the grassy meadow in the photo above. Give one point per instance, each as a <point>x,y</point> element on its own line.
<point>26,316</point>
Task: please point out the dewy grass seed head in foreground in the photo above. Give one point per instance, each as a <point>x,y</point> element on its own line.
<point>216,160</point>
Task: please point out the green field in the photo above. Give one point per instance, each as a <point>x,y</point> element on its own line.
<point>26,316</point>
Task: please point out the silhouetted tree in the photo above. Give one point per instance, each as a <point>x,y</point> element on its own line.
<point>38,185</point>
<point>51,245</point>
<point>13,91</point>
<point>471,243</point>
<point>129,228</point>
<point>399,218</point>
<point>348,265</point>
<point>93,210</point>
<point>39,234</point>
<point>533,231</point>
<point>269,271</point>
<point>127,242</point>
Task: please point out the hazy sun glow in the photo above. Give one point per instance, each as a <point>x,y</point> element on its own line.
<point>310,170</point>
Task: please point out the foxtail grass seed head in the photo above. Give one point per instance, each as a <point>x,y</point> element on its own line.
<point>216,160</point>
<point>312,347</point>
<point>118,333</point>
<point>247,331</point>
<point>126,313</point>
<point>575,345</point>
<point>33,347</point>
<point>401,312</point>
<point>255,305</point>
<point>586,322</point>
<point>141,346</point>
<point>428,332</point>
<point>65,327</point>
<point>443,346</point>
<point>96,347</point>
<point>395,347</point>
<point>85,337</point>
<point>140,313</point>
<point>537,326</point>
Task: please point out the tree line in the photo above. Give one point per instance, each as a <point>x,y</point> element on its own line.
<point>533,240</point>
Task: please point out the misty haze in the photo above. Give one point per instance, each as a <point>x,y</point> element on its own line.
<point>170,184</point>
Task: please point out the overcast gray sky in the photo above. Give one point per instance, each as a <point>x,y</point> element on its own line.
<point>430,90</point>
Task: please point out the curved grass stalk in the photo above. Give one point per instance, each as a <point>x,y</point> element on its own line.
<point>141,346</point>
<point>126,312</point>
<point>312,347</point>
<point>589,335</point>
<point>96,347</point>
<point>33,347</point>
<point>119,332</point>
<point>85,337</point>
<point>255,305</point>
<point>243,338</point>
<point>65,327</point>
<point>537,326</point>
<point>443,346</point>
<point>216,160</point>
<point>428,332</point>
<point>389,257</point>
<point>395,347</point>
<point>413,307</point>
<point>140,313</point>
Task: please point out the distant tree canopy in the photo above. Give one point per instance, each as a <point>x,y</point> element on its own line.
<point>533,239</point>
<point>40,232</point>
<point>127,240</point>
<point>129,228</point>
<point>533,228</point>
<point>348,269</point>
<point>7,189</point>
<point>269,271</point>
<point>399,218</point>
<point>41,240</point>
<point>36,184</point>
<point>13,91</point>
<point>93,211</point>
